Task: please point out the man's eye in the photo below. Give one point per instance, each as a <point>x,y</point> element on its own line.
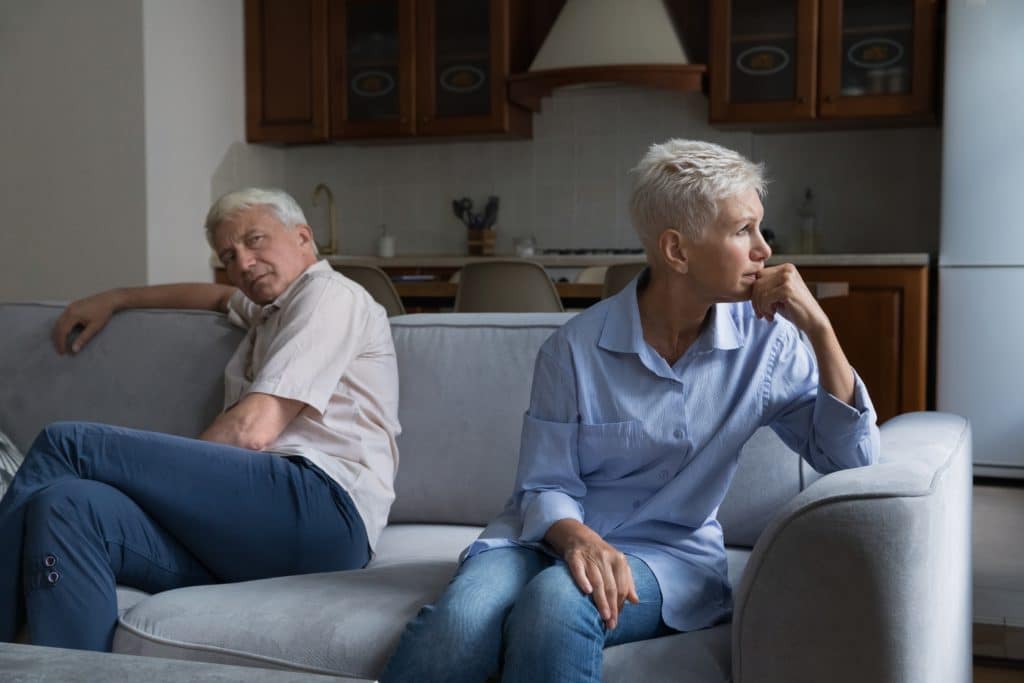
<point>227,258</point>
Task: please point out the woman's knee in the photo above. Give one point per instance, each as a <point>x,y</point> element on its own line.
<point>552,606</point>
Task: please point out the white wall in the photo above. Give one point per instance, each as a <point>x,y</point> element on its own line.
<point>195,129</point>
<point>569,185</point>
<point>72,167</point>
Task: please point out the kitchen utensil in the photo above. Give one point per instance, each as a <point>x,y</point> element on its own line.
<point>490,216</point>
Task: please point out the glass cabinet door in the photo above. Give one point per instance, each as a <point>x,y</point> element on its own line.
<point>763,61</point>
<point>371,46</point>
<point>461,86</point>
<point>876,57</point>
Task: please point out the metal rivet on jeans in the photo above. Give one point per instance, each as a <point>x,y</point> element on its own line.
<point>50,560</point>
<point>53,577</point>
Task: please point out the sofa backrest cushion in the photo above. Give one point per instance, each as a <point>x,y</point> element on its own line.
<point>465,384</point>
<point>149,369</point>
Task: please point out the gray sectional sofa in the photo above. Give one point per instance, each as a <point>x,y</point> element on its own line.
<point>859,576</point>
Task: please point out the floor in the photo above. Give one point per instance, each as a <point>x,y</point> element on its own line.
<point>998,582</point>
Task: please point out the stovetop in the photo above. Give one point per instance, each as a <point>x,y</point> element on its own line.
<point>590,252</point>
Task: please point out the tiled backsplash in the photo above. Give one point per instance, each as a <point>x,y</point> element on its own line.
<point>569,186</point>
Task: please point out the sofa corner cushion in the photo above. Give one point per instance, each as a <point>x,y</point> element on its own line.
<point>340,623</point>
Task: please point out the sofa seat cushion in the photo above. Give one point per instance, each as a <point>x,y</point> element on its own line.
<point>342,623</point>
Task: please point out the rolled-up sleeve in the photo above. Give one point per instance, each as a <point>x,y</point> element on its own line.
<point>827,432</point>
<point>548,482</point>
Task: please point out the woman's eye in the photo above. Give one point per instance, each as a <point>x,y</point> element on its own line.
<point>744,230</point>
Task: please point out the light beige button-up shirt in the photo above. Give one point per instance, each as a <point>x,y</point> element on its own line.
<point>325,342</point>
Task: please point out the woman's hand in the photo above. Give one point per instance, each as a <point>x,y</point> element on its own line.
<point>601,571</point>
<point>781,289</point>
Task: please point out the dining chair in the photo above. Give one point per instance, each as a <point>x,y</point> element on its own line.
<point>506,286</point>
<point>377,283</point>
<point>618,276</point>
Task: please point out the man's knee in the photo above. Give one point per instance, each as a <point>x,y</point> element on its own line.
<point>55,437</point>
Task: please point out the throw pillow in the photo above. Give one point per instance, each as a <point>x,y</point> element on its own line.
<point>10,461</point>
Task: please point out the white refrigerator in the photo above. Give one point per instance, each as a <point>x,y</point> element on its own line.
<point>980,368</point>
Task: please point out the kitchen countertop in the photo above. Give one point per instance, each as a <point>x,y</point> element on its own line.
<point>582,261</point>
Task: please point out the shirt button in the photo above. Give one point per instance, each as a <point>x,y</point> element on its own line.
<point>53,577</point>
<point>678,433</point>
<point>636,504</point>
<point>50,561</point>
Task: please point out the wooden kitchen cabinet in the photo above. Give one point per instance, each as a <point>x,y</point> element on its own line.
<point>286,70</point>
<point>325,70</point>
<point>791,61</point>
<point>882,325</point>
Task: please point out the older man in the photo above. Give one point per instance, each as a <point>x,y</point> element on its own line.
<point>294,476</point>
<point>640,406</point>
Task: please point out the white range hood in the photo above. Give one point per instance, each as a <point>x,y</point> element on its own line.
<point>602,41</point>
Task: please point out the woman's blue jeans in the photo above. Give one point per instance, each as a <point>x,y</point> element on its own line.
<point>94,506</point>
<point>518,611</point>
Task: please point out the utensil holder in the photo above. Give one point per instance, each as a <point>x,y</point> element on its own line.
<point>480,242</point>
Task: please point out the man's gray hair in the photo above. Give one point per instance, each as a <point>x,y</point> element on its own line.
<point>679,183</point>
<point>285,208</point>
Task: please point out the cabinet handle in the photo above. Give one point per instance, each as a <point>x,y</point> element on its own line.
<point>800,100</point>
<point>828,99</point>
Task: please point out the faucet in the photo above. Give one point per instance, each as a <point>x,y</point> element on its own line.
<point>330,247</point>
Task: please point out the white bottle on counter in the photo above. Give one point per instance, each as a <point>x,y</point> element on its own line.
<point>386,243</point>
<point>808,214</point>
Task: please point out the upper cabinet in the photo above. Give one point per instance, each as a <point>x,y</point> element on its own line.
<point>286,70</point>
<point>348,69</point>
<point>798,60</point>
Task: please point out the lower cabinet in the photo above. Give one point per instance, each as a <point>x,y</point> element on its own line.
<point>882,324</point>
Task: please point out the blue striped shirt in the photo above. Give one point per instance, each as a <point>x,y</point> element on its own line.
<point>643,452</point>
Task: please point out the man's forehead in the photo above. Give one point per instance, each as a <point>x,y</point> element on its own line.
<point>235,225</point>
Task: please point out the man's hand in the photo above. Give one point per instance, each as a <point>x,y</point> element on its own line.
<point>601,571</point>
<point>781,289</point>
<point>91,314</point>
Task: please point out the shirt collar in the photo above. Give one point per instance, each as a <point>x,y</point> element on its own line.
<point>283,297</point>
<point>623,332</point>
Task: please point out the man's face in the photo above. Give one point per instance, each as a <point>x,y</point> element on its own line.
<point>724,262</point>
<point>261,255</point>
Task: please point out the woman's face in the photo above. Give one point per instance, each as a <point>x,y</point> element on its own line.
<point>723,263</point>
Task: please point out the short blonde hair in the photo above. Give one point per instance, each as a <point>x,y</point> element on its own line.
<point>679,183</point>
<point>280,202</point>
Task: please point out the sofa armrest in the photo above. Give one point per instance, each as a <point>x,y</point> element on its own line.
<point>865,575</point>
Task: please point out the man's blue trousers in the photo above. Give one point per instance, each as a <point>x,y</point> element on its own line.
<point>94,506</point>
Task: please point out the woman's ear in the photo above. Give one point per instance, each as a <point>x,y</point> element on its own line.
<point>672,248</point>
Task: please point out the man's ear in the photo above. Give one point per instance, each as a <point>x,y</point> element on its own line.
<point>672,248</point>
<point>305,234</point>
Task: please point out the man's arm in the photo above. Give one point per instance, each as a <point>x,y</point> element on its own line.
<point>255,422</point>
<point>92,313</point>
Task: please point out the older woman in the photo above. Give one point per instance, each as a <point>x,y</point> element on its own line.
<point>639,408</point>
